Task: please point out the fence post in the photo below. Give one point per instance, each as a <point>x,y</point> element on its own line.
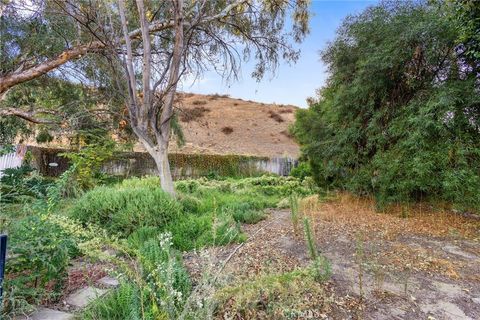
<point>3,255</point>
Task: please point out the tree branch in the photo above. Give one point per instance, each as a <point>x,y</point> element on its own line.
<point>28,116</point>
<point>20,76</point>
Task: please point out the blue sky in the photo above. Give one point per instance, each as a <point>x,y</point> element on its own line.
<point>291,84</point>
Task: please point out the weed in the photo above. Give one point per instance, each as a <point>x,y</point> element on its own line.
<point>360,260</point>
<point>273,296</point>
<point>321,266</point>
<point>312,250</point>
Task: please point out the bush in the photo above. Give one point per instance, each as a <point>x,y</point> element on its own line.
<point>88,161</point>
<point>126,207</point>
<point>123,303</point>
<point>245,212</point>
<point>22,184</point>
<point>40,252</point>
<point>194,232</point>
<point>301,171</point>
<point>40,249</point>
<point>378,127</point>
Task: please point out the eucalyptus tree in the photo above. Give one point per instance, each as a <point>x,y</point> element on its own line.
<point>203,34</point>
<point>144,48</point>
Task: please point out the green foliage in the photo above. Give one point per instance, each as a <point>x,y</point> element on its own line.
<point>194,231</point>
<point>11,128</point>
<point>22,184</point>
<point>294,211</point>
<point>207,212</point>
<point>244,214</point>
<point>123,303</point>
<point>88,161</point>
<point>466,15</point>
<point>122,209</point>
<point>321,267</point>
<point>41,251</point>
<point>40,248</point>
<point>156,288</point>
<point>301,171</point>
<point>312,248</point>
<point>399,115</point>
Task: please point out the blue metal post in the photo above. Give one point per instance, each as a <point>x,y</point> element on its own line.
<point>3,255</point>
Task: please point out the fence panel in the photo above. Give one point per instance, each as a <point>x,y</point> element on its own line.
<point>10,160</point>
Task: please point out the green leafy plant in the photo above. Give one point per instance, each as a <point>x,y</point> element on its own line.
<point>40,252</point>
<point>155,285</point>
<point>88,161</point>
<point>122,209</point>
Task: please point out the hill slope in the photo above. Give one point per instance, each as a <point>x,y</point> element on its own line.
<point>218,124</point>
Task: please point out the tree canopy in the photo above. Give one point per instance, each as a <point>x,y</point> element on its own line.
<point>141,49</point>
<point>399,116</point>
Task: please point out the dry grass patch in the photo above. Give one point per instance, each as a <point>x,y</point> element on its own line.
<point>292,295</point>
<point>199,102</point>
<point>216,96</point>
<point>355,213</point>
<point>193,114</point>
<point>405,258</point>
<point>227,130</point>
<point>275,116</point>
<point>285,109</point>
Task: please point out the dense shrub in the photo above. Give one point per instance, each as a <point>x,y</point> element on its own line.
<point>126,207</point>
<point>193,231</point>
<point>399,115</point>
<point>40,249</point>
<point>22,184</point>
<point>40,252</point>
<point>302,171</point>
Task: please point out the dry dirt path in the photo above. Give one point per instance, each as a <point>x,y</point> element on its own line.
<point>376,274</point>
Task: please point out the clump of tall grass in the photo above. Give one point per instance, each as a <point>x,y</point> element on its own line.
<point>123,208</point>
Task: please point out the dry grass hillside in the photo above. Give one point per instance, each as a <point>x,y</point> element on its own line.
<point>218,124</point>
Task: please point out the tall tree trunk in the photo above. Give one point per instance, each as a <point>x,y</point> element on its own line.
<point>163,167</point>
<point>159,153</point>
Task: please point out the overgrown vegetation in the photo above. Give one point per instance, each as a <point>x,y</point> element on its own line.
<point>399,116</point>
<point>146,226</point>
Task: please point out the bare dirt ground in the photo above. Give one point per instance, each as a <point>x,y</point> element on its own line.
<point>414,263</point>
<point>217,124</point>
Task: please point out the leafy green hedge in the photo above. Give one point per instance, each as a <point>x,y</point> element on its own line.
<point>399,115</point>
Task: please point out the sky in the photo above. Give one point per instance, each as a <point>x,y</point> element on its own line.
<point>291,84</point>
